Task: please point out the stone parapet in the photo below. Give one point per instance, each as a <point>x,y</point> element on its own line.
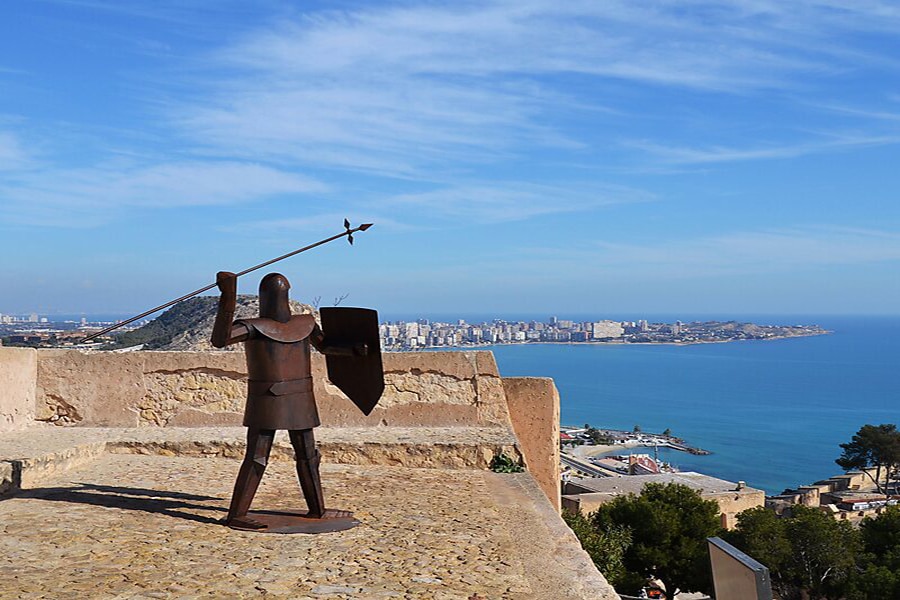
<point>433,402</point>
<point>534,410</point>
<point>18,368</point>
<point>185,389</point>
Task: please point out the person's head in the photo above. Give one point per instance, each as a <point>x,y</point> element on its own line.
<point>273,297</point>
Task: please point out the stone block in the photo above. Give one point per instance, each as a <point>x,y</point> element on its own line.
<point>534,411</point>
<point>89,388</point>
<point>37,469</point>
<point>9,477</point>
<point>18,374</point>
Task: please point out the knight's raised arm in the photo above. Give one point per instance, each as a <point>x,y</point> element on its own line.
<point>224,332</point>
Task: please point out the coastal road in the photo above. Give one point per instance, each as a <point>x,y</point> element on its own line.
<point>586,467</point>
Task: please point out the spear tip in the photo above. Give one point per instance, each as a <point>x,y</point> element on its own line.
<point>365,226</point>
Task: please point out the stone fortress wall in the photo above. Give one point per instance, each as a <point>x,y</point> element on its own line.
<point>75,389</point>
<point>18,372</point>
<point>110,470</point>
<point>190,389</point>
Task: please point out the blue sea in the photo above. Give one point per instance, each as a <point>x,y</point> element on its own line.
<point>771,412</point>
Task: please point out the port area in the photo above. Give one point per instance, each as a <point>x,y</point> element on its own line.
<point>610,452</point>
<point>588,442</point>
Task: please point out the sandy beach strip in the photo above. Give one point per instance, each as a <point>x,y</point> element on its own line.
<point>590,451</point>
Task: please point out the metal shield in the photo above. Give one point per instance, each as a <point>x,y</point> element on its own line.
<point>361,378</point>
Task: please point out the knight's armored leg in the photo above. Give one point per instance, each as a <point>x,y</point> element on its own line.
<point>259,444</point>
<point>308,459</point>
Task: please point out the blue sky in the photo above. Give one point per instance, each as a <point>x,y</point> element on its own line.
<point>516,157</point>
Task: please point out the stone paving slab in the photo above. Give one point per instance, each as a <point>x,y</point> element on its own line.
<point>136,526</point>
<point>27,457</point>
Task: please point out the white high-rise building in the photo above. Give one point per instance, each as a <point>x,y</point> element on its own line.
<point>607,329</point>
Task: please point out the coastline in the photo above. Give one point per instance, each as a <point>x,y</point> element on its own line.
<point>694,343</point>
<point>584,451</point>
<point>781,428</point>
<point>612,343</point>
<point>592,451</point>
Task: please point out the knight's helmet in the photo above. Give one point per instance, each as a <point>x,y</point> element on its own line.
<point>273,298</point>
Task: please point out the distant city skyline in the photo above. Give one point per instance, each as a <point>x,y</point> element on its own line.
<point>722,158</point>
<point>423,333</point>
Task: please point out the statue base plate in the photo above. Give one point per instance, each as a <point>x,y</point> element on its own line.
<point>273,521</point>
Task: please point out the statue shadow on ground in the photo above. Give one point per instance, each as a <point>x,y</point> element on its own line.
<point>173,504</point>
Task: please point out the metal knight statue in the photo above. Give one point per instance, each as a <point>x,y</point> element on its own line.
<point>280,393</point>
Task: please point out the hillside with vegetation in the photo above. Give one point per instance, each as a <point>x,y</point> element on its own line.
<point>188,325</point>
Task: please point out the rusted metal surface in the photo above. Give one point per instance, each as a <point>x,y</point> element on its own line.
<point>295,522</point>
<point>280,396</point>
<point>359,375</point>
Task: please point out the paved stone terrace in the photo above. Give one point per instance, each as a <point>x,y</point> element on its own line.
<point>144,526</point>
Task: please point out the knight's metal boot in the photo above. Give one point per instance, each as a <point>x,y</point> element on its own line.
<point>308,459</point>
<point>259,444</point>
<point>311,484</point>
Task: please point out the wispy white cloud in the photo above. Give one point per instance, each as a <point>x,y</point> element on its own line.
<point>89,196</point>
<point>393,129</point>
<point>878,115</point>
<point>470,203</point>
<point>511,201</point>
<point>12,153</point>
<point>696,43</point>
<point>680,155</point>
<point>403,90</point>
<point>318,223</point>
<point>439,93</point>
<point>755,270</point>
<point>735,253</point>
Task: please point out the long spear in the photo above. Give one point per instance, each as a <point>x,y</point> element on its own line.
<point>349,233</point>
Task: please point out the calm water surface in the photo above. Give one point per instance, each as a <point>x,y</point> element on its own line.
<point>772,412</point>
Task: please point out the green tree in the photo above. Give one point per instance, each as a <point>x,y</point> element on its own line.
<point>824,552</point>
<point>596,436</point>
<point>875,446</point>
<point>879,560</point>
<point>667,432</point>
<point>761,534</point>
<point>809,554</point>
<point>874,582</point>
<point>881,538</point>
<point>606,547</point>
<point>669,525</point>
